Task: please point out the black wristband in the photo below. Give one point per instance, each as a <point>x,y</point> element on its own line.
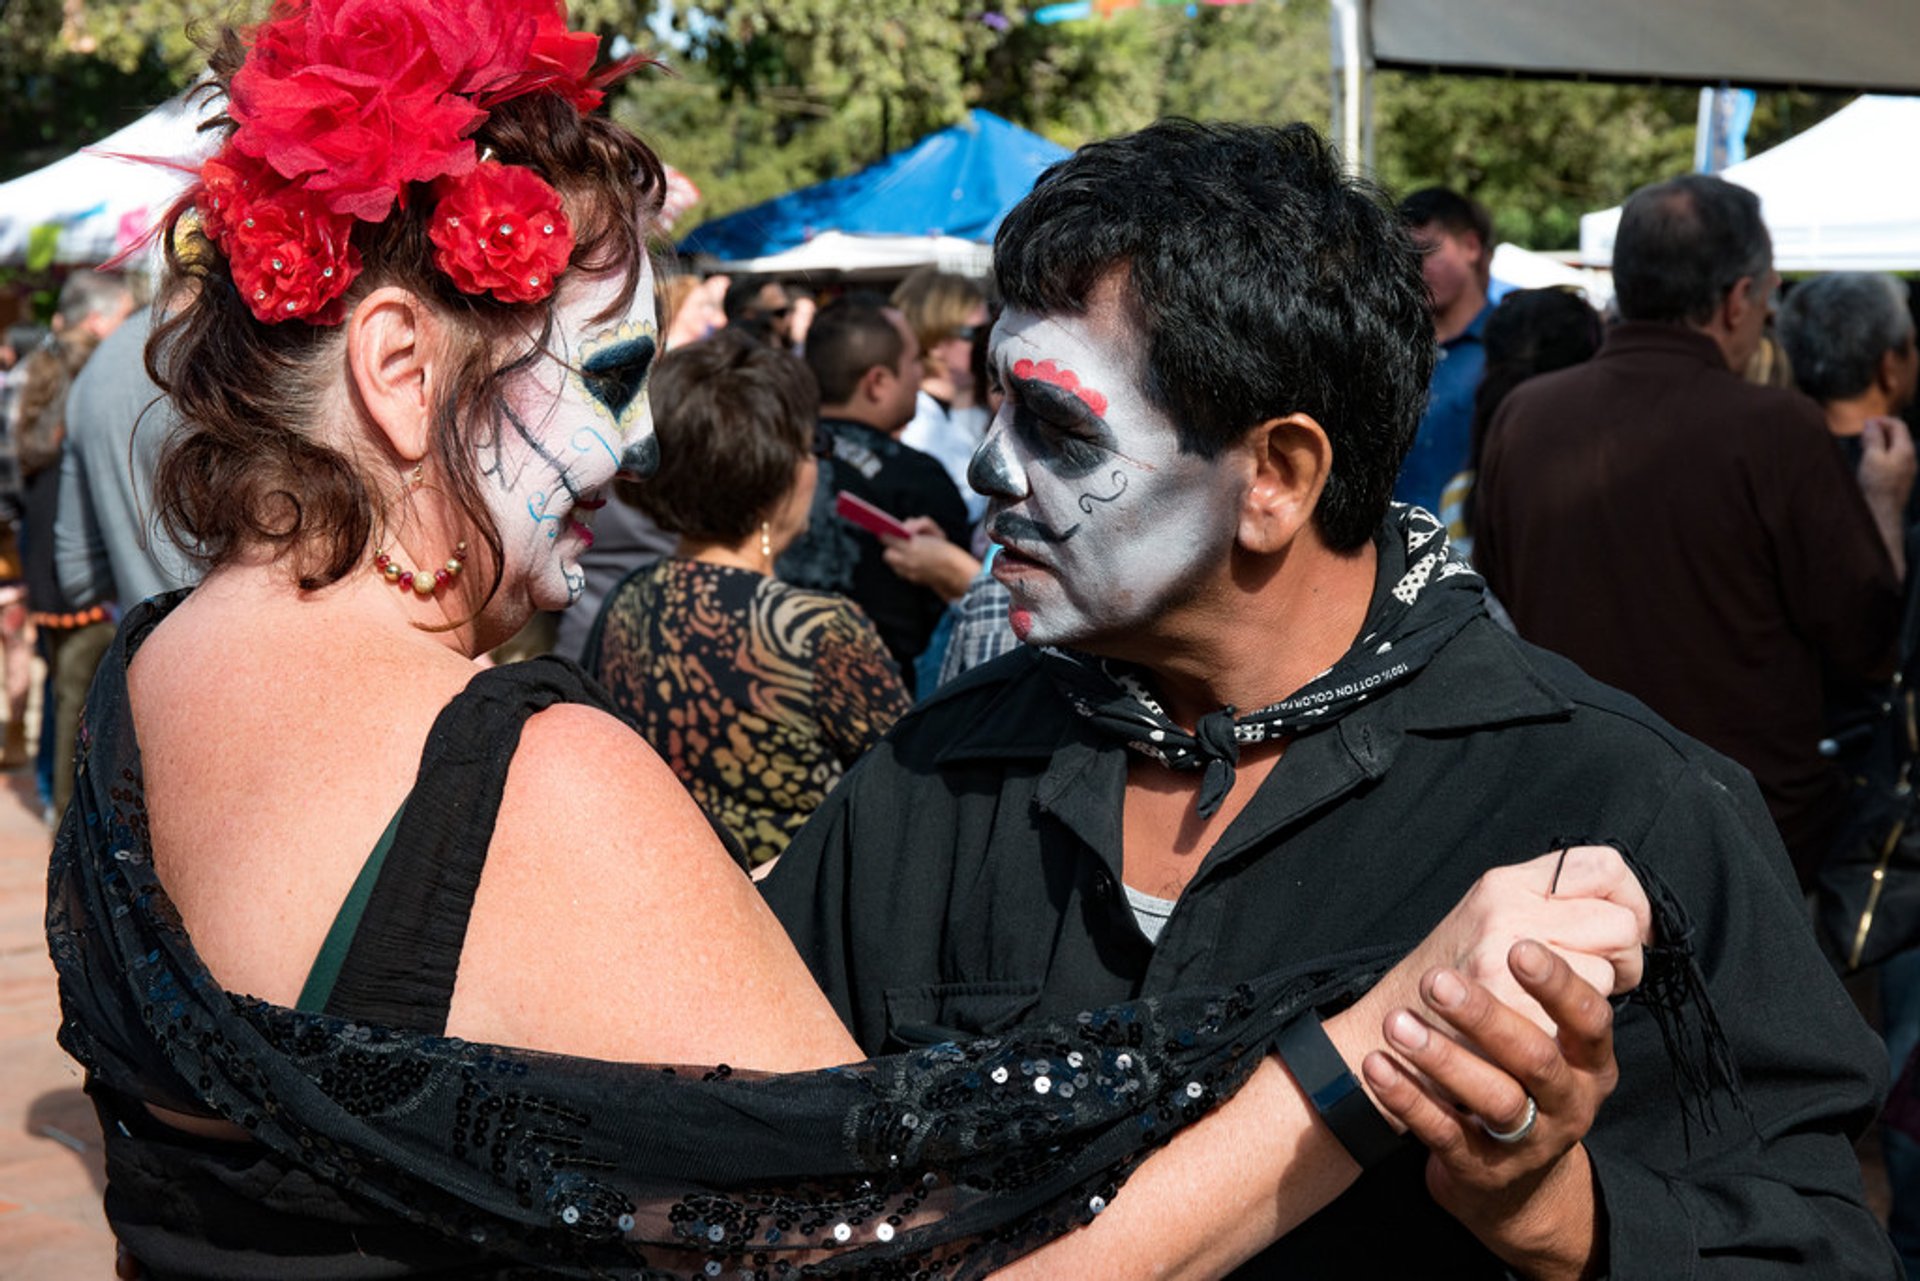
<point>1336,1093</point>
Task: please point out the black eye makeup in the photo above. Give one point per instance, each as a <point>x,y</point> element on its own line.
<point>615,374</point>
<point>1059,427</point>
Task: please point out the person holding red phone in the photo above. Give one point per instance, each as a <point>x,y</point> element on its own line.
<point>867,362</point>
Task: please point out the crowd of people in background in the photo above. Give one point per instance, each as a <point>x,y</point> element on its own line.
<point>815,558</point>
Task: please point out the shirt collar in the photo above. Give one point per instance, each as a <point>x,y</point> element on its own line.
<point>1480,679</point>
<point>1476,330</point>
<point>1640,337</point>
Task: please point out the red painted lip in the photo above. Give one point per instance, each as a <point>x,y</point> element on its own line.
<point>1016,560</point>
<point>591,504</point>
<point>586,533</point>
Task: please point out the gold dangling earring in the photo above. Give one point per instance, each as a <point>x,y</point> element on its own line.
<point>766,542</point>
<point>422,583</point>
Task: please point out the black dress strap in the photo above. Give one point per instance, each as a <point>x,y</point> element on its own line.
<point>400,969</point>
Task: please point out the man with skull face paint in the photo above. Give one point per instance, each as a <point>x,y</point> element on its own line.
<point>1215,353</point>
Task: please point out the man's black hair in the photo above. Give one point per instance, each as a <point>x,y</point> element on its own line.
<point>848,337</point>
<point>1263,280</point>
<point>743,296</point>
<point>1447,209</point>
<point>1682,244</point>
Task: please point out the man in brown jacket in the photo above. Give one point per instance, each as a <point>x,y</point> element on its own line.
<point>1688,537</point>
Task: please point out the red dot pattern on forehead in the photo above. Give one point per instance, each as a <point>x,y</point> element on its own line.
<point>1047,372</point>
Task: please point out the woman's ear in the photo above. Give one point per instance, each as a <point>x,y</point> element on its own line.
<point>1291,458</point>
<point>394,357</point>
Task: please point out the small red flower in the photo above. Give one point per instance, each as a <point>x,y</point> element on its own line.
<point>229,183</point>
<point>292,258</point>
<point>500,230</point>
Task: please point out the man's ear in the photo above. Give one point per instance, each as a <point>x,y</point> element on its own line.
<point>394,360</point>
<point>1736,303</point>
<point>872,387</point>
<point>1291,458</point>
<point>1886,374</point>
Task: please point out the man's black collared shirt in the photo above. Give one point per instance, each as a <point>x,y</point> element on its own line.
<point>967,876</point>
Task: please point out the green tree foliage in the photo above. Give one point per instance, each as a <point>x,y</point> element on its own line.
<point>1539,153</point>
<point>72,71</point>
<point>767,95</point>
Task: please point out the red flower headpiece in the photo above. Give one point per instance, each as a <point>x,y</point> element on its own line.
<point>343,104</point>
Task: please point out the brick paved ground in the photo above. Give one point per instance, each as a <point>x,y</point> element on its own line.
<point>50,1173</point>
<point>51,1228</point>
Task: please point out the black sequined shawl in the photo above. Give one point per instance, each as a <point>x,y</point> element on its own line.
<point>434,1154</point>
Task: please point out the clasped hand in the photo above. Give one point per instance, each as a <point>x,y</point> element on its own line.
<point>1499,1049</point>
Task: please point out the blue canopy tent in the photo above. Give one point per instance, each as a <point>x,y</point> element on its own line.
<point>939,198</point>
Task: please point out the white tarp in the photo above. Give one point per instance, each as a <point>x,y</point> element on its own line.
<point>1839,197</point>
<point>100,203</point>
<point>843,255</point>
<point>1518,268</point>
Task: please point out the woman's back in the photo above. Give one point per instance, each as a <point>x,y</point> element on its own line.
<point>278,737</point>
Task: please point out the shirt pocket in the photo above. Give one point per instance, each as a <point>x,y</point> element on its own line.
<point>921,1016</point>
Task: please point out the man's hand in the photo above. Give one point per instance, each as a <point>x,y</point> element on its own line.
<point>930,560</point>
<point>1886,460</point>
<point>1886,479</point>
<point>1531,1200</point>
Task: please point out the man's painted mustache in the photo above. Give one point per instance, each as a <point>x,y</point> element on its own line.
<point>1014,530</point>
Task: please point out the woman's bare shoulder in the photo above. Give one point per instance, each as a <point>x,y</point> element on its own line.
<point>610,923</point>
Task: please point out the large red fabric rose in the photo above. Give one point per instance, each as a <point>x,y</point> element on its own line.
<point>487,42</point>
<point>292,258</point>
<point>557,60</point>
<point>500,230</point>
<point>352,99</point>
<point>567,56</point>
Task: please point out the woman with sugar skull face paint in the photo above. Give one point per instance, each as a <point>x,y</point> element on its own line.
<point>408,329</point>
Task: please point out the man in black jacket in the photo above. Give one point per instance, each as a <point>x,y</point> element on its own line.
<point>1689,537</point>
<point>867,362</point>
<point>1215,351</point>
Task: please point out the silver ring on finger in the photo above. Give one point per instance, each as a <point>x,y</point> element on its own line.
<point>1518,1132</point>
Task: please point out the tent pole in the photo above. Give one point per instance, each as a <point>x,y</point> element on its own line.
<point>1346,48</point>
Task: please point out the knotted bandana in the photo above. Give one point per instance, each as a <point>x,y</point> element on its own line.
<point>1435,593</point>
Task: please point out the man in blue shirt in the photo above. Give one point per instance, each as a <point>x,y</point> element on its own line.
<point>1457,236</point>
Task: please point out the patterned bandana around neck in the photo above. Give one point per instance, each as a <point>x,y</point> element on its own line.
<point>1435,593</point>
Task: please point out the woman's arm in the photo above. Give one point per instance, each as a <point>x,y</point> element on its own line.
<point>1264,1161</point>
<point>566,919</point>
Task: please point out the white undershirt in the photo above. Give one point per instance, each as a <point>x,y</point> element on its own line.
<point>1149,913</point>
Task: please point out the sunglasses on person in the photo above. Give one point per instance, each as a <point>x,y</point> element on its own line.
<point>965,333</point>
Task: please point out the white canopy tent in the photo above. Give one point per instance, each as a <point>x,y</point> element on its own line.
<point>845,256</point>
<point>1838,197</point>
<point>101,203</point>
<point>1517,268</point>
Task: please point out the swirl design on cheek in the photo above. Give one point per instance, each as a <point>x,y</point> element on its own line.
<point>1119,478</point>
<point>586,438</point>
<point>536,508</point>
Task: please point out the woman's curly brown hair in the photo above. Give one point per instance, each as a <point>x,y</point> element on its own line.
<point>247,469</point>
